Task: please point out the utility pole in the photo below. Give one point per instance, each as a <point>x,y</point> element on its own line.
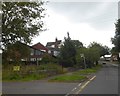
<point>82,55</point>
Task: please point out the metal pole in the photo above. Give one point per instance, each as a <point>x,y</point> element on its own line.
<point>82,55</point>
<point>84,62</point>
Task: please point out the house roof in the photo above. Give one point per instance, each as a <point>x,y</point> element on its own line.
<point>53,43</point>
<point>54,49</point>
<point>39,46</point>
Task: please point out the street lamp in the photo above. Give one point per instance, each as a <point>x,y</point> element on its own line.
<point>82,55</point>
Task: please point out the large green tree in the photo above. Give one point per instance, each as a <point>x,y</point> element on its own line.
<point>21,21</point>
<point>91,55</point>
<point>116,39</point>
<point>103,50</point>
<point>68,53</point>
<point>77,44</point>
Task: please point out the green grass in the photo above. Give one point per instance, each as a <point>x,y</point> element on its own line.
<point>30,72</point>
<point>88,71</point>
<point>77,76</point>
<point>68,78</point>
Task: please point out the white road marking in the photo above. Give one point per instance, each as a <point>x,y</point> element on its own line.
<point>79,84</point>
<point>81,87</point>
<point>92,78</point>
<point>85,85</point>
<point>73,89</point>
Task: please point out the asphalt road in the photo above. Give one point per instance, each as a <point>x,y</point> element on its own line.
<point>106,82</point>
<point>37,87</point>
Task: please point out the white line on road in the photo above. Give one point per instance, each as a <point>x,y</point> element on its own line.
<point>81,87</point>
<point>85,85</point>
<point>73,89</point>
<point>79,84</point>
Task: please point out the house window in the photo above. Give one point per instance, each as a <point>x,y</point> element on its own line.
<point>39,59</point>
<point>37,52</point>
<point>32,52</point>
<point>33,59</point>
<point>49,51</point>
<point>53,46</point>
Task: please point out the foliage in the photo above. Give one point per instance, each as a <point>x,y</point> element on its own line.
<point>30,72</point>
<point>15,52</point>
<point>116,39</point>
<point>91,55</point>
<point>77,44</point>
<point>103,50</point>
<point>68,53</point>
<point>47,58</point>
<point>21,21</point>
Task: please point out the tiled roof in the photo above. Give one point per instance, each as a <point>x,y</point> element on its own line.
<point>39,46</point>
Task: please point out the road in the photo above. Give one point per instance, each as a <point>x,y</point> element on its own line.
<point>37,87</point>
<point>104,82</point>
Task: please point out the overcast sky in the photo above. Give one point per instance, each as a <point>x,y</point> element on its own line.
<point>85,21</point>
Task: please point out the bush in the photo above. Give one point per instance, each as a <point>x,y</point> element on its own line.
<point>48,59</point>
<point>31,72</point>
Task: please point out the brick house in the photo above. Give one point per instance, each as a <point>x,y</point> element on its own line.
<point>37,52</point>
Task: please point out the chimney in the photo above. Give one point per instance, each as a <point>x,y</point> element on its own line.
<point>56,43</point>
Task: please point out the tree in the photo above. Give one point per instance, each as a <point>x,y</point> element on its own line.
<point>103,50</point>
<point>16,52</point>
<point>116,39</point>
<point>21,21</point>
<point>91,56</point>
<point>77,44</point>
<point>68,53</point>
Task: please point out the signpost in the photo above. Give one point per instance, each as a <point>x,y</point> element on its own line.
<point>82,55</point>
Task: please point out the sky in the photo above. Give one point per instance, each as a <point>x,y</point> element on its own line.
<point>85,21</point>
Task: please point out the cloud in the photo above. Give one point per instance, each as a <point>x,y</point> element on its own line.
<point>59,25</point>
<point>100,15</point>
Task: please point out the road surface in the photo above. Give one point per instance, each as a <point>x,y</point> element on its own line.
<point>106,81</point>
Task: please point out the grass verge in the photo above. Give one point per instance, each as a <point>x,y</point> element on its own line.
<point>77,76</point>
<point>68,78</point>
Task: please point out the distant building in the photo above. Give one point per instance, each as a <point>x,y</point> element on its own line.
<point>40,46</point>
<point>114,57</point>
<point>37,52</point>
<point>107,57</point>
<point>54,47</point>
